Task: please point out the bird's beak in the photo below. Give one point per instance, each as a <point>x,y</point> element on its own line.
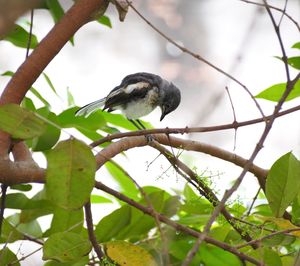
<point>163,114</point>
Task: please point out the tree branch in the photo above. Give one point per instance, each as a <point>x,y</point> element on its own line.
<point>186,130</point>
<point>48,48</point>
<point>205,190</point>
<point>90,228</point>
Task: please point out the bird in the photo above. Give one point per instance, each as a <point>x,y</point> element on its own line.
<point>138,95</point>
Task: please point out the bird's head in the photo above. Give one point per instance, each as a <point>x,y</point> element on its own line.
<point>170,99</point>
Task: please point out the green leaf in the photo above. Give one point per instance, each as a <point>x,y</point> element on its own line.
<point>275,92</point>
<point>121,176</point>
<point>9,233</point>
<point>296,45</point>
<point>32,228</point>
<point>267,256</point>
<point>71,186</point>
<point>36,207</point>
<point>189,193</point>
<point>48,80</point>
<point>20,37</point>
<point>16,201</point>
<point>68,119</point>
<point>120,121</point>
<point>99,199</point>
<point>51,135</point>
<point>112,224</point>
<point>66,220</point>
<point>79,262</point>
<point>27,103</point>
<point>263,209</point>
<point>278,240</point>
<point>171,206</point>
<point>294,62</point>
<point>104,20</point>
<point>55,9</point>
<point>282,185</point>
<point>140,223</point>
<point>180,248</point>
<point>71,101</point>
<point>21,187</point>
<point>57,12</point>
<point>20,123</point>
<point>39,96</point>
<point>212,255</point>
<point>125,253</point>
<point>7,257</point>
<point>66,246</point>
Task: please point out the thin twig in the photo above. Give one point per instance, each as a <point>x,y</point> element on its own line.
<point>30,33</point>
<point>275,8</point>
<point>197,56</point>
<point>256,241</point>
<point>2,206</point>
<point>90,228</point>
<point>283,12</point>
<point>186,130</point>
<point>25,257</point>
<point>234,116</point>
<point>252,203</point>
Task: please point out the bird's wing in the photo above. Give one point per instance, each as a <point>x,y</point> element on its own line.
<point>90,108</point>
<point>124,94</point>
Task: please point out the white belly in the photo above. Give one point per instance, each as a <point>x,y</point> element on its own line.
<point>142,107</point>
<point>137,109</point>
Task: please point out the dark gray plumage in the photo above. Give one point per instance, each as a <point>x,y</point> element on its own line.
<point>138,95</point>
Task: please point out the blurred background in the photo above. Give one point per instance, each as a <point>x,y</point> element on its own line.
<point>233,35</point>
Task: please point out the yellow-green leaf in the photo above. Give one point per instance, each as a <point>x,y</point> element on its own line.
<point>275,92</point>
<point>283,184</point>
<point>21,123</point>
<point>125,253</point>
<point>66,246</point>
<point>70,174</point>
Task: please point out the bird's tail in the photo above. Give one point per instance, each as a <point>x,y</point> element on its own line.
<point>90,108</point>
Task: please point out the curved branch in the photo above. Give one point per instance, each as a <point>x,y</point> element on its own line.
<point>128,143</point>
<point>78,15</point>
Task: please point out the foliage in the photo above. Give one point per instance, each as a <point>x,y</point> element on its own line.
<point>129,235</point>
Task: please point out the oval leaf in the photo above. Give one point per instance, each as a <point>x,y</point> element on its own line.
<point>125,253</point>
<point>104,20</point>
<point>113,223</point>
<point>70,174</point>
<point>66,220</point>
<point>282,185</point>
<point>50,137</point>
<point>8,257</point>
<point>275,92</point>
<point>20,123</point>
<point>20,37</point>
<point>66,247</point>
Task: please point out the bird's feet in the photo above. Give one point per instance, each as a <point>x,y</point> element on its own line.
<point>149,138</point>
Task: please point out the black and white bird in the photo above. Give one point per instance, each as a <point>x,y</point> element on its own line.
<point>138,95</point>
